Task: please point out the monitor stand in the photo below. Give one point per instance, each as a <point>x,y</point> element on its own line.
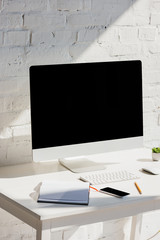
<point>80,165</point>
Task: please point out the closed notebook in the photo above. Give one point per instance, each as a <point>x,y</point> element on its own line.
<point>75,192</point>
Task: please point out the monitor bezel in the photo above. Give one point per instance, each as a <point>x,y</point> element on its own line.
<point>85,149</point>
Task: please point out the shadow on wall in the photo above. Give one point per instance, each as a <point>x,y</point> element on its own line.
<point>85,31</point>
<point>88,32</point>
<point>97,40</point>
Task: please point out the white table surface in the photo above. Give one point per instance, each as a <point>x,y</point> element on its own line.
<point>18,183</point>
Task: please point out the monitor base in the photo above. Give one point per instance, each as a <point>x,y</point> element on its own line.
<point>80,165</point>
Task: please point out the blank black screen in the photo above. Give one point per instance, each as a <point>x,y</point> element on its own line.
<point>85,102</point>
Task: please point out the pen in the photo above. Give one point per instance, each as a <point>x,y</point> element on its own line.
<point>138,188</point>
<point>94,188</point>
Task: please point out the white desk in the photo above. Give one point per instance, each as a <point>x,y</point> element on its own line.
<point>17,185</point>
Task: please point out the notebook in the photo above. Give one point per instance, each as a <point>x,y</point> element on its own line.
<point>64,192</point>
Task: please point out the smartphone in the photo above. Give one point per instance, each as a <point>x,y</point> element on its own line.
<point>114,192</point>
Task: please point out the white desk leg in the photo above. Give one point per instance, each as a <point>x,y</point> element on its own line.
<point>136,227</point>
<point>44,231</point>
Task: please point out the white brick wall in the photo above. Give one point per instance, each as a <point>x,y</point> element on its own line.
<point>59,31</point>
<point>17,38</point>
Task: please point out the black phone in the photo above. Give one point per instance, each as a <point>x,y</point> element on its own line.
<point>114,192</point>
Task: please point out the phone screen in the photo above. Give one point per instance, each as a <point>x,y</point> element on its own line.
<point>114,192</point>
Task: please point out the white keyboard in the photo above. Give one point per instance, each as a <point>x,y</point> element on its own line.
<point>102,177</point>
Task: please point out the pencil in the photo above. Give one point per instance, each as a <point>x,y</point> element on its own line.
<point>94,188</point>
<point>138,188</point>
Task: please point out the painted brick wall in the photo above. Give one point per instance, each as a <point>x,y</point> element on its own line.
<point>60,31</point>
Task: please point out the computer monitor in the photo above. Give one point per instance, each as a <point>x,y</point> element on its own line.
<point>85,108</point>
